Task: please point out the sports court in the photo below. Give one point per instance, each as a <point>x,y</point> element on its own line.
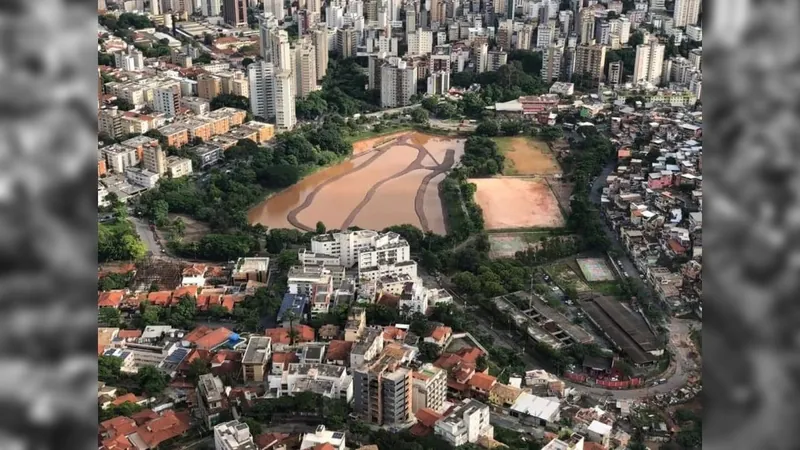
<point>595,269</point>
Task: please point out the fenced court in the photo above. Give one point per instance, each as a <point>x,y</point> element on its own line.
<point>595,269</point>
<point>506,245</point>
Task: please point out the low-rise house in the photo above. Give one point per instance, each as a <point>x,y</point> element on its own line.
<point>440,336</point>
<point>233,435</point>
<point>322,438</point>
<point>481,384</point>
<point>367,348</point>
<point>194,275</point>
<point>326,380</point>
<point>338,353</point>
<point>504,395</point>
<point>538,410</point>
<point>254,361</point>
<point>205,338</point>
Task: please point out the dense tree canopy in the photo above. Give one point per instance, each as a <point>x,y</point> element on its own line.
<point>118,241</point>
<point>230,100</point>
<point>481,157</point>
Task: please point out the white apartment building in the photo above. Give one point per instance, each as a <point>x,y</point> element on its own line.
<point>319,37</point>
<point>465,424</point>
<point>429,388</point>
<point>387,46</point>
<point>525,37</point>
<point>167,99</point>
<point>322,436</point>
<point>131,60</point>
<point>178,167</point>
<point>417,298</point>
<point>687,12</point>
<point>694,33</point>
<point>261,76</point>
<point>546,34</point>
<point>211,8</point>
<point>375,254</point>
<point>398,83</point>
<point>306,68</point>
<point>285,118</point>
<point>622,27</point>
<point>420,42</point>
<point>551,62</point>
<point>141,177</point>
<point>574,442</point>
<point>649,63</point>
<point>325,379</point>
<point>120,157</point>
<point>496,59</point>
<point>301,279</point>
<point>233,435</point>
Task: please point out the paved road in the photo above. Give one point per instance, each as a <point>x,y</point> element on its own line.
<point>143,229</point>
<point>380,114</point>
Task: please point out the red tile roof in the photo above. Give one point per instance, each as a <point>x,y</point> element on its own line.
<point>129,334</point>
<point>325,446</point>
<point>267,440</point>
<point>204,338</point>
<point>441,333</point>
<point>160,298</point>
<point>195,270</point>
<point>110,299</point>
<point>170,425</point>
<point>124,398</point>
<point>281,335</point>
<point>391,333</point>
<point>118,426</point>
<point>339,350</point>
<point>593,446</point>
<point>185,290</point>
<point>117,443</point>
<point>428,417</point>
<point>482,381</point>
<point>676,247</point>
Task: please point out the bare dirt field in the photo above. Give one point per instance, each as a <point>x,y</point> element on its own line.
<point>391,180</point>
<point>527,156</point>
<point>517,203</point>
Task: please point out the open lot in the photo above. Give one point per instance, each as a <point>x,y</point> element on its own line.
<point>509,203</point>
<point>507,244</point>
<point>390,180</point>
<point>527,156</point>
<point>595,269</point>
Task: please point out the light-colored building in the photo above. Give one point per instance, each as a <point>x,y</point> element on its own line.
<point>233,435</point>
<point>574,442</point>
<point>465,424</point>
<point>167,99</point>
<point>687,12</point>
<point>131,60</point>
<point>615,72</point>
<point>327,380</point>
<point>382,392</point>
<point>261,76</point>
<point>254,361</point>
<point>346,41</point>
<point>211,399</point>
<point>178,167</point>
<point>551,62</point>
<point>496,59</point>
<point>246,269</point>
<point>155,159</point>
<point>110,122</point>
<point>306,68</point>
<point>525,37</point>
<point>120,157</point>
<point>398,83</point>
<point>285,118</point>
<point>141,177</point>
<point>320,39</point>
<point>429,388</point>
<point>591,58</point>
<point>546,34</point>
<point>543,411</point>
<point>375,254</point>
<point>208,86</point>
<point>321,436</point>
<point>420,42</point>
<point>649,63</point>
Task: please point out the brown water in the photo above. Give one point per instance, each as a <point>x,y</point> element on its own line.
<point>391,203</point>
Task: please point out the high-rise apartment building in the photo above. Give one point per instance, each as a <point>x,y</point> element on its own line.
<point>649,62</point>
<point>305,67</point>
<point>420,42</point>
<point>504,33</point>
<point>658,4</point>
<point>546,33</point>
<point>167,99</point>
<point>496,59</point>
<point>346,41</point>
<point>382,392</point>
<point>439,69</point>
<point>208,86</point>
<point>319,37</point>
<point>614,72</point>
<point>481,56</point>
<point>465,424</point>
<point>261,76</point>
<point>687,12</point>
<point>131,60</point>
<point>591,58</point>
<point>210,8</point>
<point>429,388</point>
<point>524,37</point>
<point>285,118</point>
<point>622,27</point>
<point>398,84</point>
<point>586,26</point>
<point>275,8</point>
<point>154,159</point>
<point>234,12</point>
<point>551,63</point>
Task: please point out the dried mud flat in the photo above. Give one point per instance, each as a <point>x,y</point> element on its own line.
<point>509,203</point>
<point>392,180</point>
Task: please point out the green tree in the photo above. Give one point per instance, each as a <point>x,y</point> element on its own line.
<point>419,115</point>
<point>109,317</point>
<point>487,127</point>
<point>108,369</point>
<point>230,100</point>
<point>428,352</point>
<point>179,226</point>
<point>320,228</point>
<point>246,62</point>
<point>151,380</point>
<point>122,104</point>
<point>197,367</point>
